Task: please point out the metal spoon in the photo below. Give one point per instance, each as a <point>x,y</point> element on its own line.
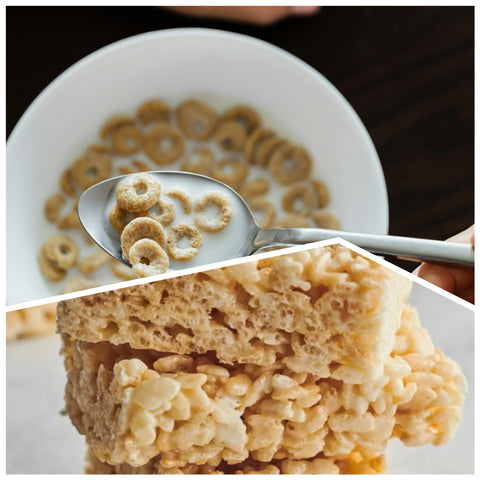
<point>96,202</point>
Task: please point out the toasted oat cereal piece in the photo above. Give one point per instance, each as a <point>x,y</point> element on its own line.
<point>292,220</point>
<point>298,199</point>
<point>30,322</point>
<point>231,136</point>
<point>75,284</point>
<point>115,123</point>
<point>267,149</point>
<point>216,199</point>
<point>325,220</point>
<point>138,192</point>
<point>254,141</point>
<point>48,268</point>
<point>119,218</point>
<point>231,171</point>
<point>175,234</point>
<point>61,250</point>
<point>196,120</point>
<point>265,209</point>
<point>182,195</point>
<point>153,111</point>
<point>99,148</point>
<point>167,212</point>
<point>127,140</point>
<point>199,161</point>
<point>53,205</point>
<point>139,228</point>
<point>94,261</point>
<point>290,163</point>
<point>254,188</point>
<point>321,192</point>
<point>121,271</point>
<point>164,144</point>
<point>90,169</point>
<point>148,258</point>
<point>244,115</point>
<point>69,221</point>
<point>66,183</point>
<point>126,170</point>
<point>141,166</point>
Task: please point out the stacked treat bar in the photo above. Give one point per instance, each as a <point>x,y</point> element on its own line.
<point>302,363</point>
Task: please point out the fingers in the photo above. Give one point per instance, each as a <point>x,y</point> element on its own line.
<point>261,15</point>
<point>467,236</point>
<point>456,280</point>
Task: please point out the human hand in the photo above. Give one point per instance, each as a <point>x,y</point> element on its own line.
<point>258,15</point>
<point>456,280</point>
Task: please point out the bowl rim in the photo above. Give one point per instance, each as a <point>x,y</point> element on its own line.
<point>210,32</point>
<point>240,39</point>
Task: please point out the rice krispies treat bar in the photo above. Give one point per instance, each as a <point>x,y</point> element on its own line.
<point>327,311</point>
<point>30,322</point>
<point>351,464</point>
<point>134,405</point>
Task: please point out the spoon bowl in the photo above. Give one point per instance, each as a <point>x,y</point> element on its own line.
<point>243,236</point>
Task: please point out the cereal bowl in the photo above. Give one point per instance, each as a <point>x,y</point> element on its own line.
<point>217,67</point>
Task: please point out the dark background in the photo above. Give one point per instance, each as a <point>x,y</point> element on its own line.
<point>407,71</point>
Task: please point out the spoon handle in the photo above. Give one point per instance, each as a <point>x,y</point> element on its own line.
<point>420,249</point>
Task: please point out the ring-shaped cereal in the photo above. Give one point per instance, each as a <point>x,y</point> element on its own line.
<point>90,169</point>
<point>94,261</point>
<point>267,149</point>
<point>114,123</point>
<point>231,136</point>
<point>254,141</point>
<point>321,191</point>
<point>325,220</point>
<point>254,188</point>
<point>201,162</point>
<point>196,120</point>
<point>244,115</point>
<point>231,171</point>
<point>48,268</point>
<point>175,234</point>
<point>121,271</point>
<point>292,221</point>
<point>153,111</point>
<point>142,227</point>
<point>127,140</point>
<point>148,258</point>
<point>138,192</point>
<point>53,205</point>
<point>266,210</point>
<point>69,221</point>
<point>66,183</point>
<point>61,250</point>
<point>99,148</point>
<point>164,144</point>
<point>182,195</point>
<point>167,212</point>
<point>219,200</point>
<point>78,283</point>
<point>299,194</point>
<point>290,163</point>
<point>141,166</point>
<point>119,218</point>
<point>126,170</point>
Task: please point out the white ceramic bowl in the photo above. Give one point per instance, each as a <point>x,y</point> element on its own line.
<point>174,65</point>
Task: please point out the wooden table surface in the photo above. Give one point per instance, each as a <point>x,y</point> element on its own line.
<point>407,71</point>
